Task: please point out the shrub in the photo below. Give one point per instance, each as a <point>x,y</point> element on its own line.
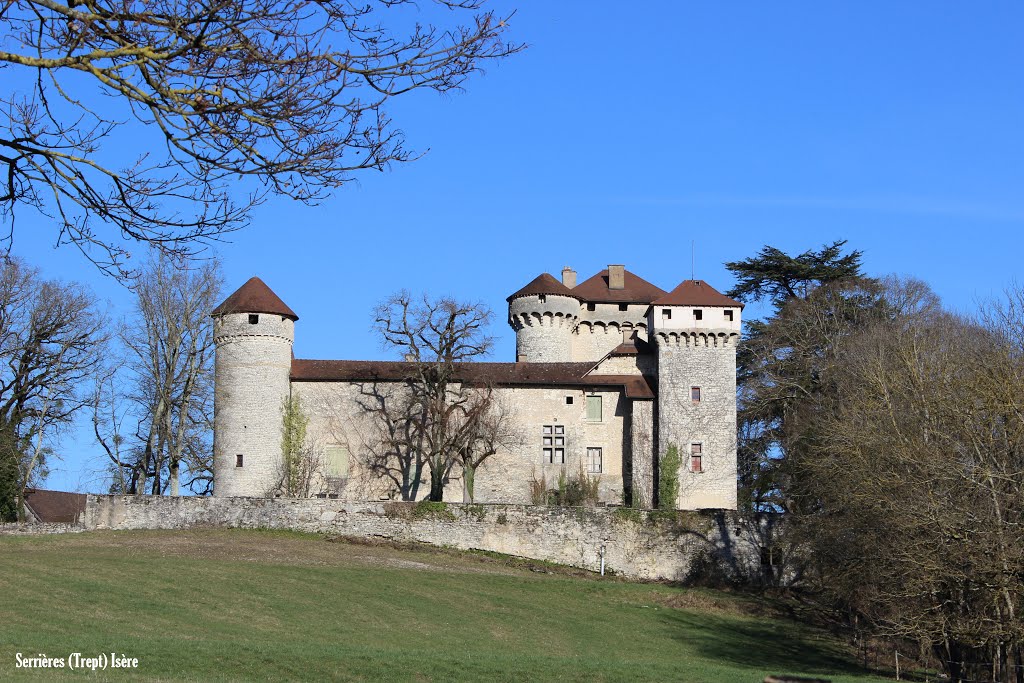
<point>668,478</point>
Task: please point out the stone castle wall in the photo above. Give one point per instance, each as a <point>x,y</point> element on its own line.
<point>707,361</point>
<point>635,545</point>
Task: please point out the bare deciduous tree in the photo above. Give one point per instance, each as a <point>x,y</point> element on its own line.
<point>910,494</point>
<point>288,92</point>
<point>165,382</point>
<point>436,417</point>
<point>52,337</point>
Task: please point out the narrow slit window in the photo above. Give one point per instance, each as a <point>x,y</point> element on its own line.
<point>695,394</point>
<point>238,460</point>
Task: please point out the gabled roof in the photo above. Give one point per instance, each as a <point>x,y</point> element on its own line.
<point>544,283</point>
<point>497,374</point>
<point>254,297</point>
<point>696,293</point>
<point>55,506</point>
<point>636,290</point>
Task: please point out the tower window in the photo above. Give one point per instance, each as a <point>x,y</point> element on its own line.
<point>568,400</point>
<point>695,394</point>
<point>254,318</point>
<point>623,307</point>
<point>591,307</point>
<point>728,315</point>
<point>698,314</point>
<point>666,313</point>
<point>696,454</point>
<point>542,297</point>
<point>553,444</point>
<point>238,460</point>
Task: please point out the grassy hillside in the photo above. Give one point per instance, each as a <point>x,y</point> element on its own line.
<point>237,605</point>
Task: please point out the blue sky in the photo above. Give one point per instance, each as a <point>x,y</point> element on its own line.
<point>620,136</point>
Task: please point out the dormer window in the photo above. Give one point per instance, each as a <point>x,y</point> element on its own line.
<point>254,318</point>
<point>698,314</point>
<point>728,315</point>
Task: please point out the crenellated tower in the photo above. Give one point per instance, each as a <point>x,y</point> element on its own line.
<point>544,315</point>
<point>695,330</point>
<point>253,332</point>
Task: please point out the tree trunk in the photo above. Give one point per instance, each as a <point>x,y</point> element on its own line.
<point>173,476</point>
<point>436,482</point>
<point>468,479</point>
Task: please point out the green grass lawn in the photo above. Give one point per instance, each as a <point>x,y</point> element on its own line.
<point>241,605</point>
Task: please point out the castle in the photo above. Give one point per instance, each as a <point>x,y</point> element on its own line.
<point>608,373</point>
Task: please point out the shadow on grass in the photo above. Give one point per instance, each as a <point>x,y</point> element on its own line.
<point>772,644</point>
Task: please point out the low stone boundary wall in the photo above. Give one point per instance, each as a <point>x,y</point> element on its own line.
<point>638,545</point>
<point>39,528</point>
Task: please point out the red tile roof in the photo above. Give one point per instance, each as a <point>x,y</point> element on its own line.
<point>696,293</point>
<point>498,374</point>
<point>254,297</point>
<point>544,283</point>
<point>636,290</point>
<point>55,506</point>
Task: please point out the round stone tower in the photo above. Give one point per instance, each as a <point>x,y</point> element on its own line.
<point>253,331</point>
<point>544,315</point>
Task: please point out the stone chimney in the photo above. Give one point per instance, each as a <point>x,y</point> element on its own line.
<point>616,277</point>
<point>568,277</point>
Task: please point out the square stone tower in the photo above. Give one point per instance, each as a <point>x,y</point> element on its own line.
<point>695,330</point>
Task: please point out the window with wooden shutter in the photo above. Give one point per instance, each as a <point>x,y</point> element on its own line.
<point>337,458</point>
<point>696,454</point>
<point>594,409</point>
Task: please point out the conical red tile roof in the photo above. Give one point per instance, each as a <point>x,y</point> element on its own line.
<point>696,293</point>
<point>544,283</point>
<point>254,297</point>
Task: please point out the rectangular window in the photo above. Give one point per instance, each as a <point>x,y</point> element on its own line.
<point>542,297</point>
<point>553,444</point>
<point>594,409</point>
<point>568,400</point>
<point>696,454</point>
<point>666,313</point>
<point>698,314</point>
<point>591,307</point>
<point>254,319</point>
<point>238,460</point>
<point>337,458</point>
<point>728,315</point>
<point>695,394</point>
<point>595,460</point>
<point>623,307</point>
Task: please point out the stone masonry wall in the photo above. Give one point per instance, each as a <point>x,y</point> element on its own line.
<point>709,362</point>
<point>636,546</point>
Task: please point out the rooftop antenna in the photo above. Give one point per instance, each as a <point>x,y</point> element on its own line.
<point>692,259</point>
